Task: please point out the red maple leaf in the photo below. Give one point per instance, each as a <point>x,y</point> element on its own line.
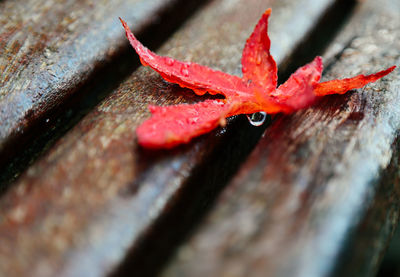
<point>256,91</point>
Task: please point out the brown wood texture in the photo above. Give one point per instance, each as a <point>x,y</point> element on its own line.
<point>95,203</point>
<point>50,49</point>
<point>320,193</point>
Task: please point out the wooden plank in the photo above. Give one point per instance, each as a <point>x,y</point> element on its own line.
<point>96,199</point>
<point>50,49</point>
<point>319,195</point>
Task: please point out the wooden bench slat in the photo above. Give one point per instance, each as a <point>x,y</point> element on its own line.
<point>319,195</point>
<point>95,195</point>
<point>50,49</point>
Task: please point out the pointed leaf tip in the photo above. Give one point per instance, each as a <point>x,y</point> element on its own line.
<point>172,125</point>
<point>258,65</point>
<point>344,85</point>
<point>200,79</point>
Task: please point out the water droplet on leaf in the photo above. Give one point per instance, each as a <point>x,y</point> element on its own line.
<point>185,70</point>
<point>257,119</point>
<point>169,61</point>
<point>258,60</point>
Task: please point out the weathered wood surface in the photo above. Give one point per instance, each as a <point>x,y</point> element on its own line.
<point>96,198</point>
<point>50,49</point>
<point>320,193</point>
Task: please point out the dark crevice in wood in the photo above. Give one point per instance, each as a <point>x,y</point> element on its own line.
<point>22,151</point>
<point>314,44</point>
<point>326,28</point>
<point>331,62</point>
<point>199,192</point>
<point>154,247</point>
<point>390,262</point>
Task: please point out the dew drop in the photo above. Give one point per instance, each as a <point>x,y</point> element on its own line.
<point>169,61</point>
<point>258,60</point>
<point>257,119</point>
<point>184,70</point>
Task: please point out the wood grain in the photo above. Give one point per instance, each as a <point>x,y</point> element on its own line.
<point>320,194</point>
<point>91,204</point>
<point>50,49</point>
